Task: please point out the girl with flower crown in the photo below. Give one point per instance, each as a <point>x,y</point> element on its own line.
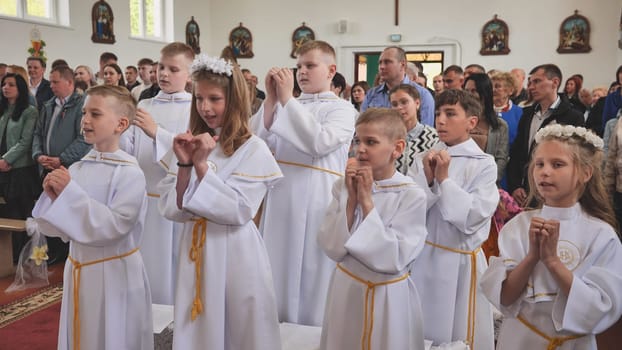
<point>558,280</point>
<point>224,295</point>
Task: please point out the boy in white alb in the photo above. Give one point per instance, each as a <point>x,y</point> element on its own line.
<point>374,229</point>
<point>310,137</point>
<point>150,139</point>
<point>99,206</point>
<point>459,179</point>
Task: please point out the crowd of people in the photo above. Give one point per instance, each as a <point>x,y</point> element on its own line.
<point>368,210</point>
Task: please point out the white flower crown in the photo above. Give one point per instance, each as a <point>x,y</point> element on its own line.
<point>566,131</point>
<point>211,64</point>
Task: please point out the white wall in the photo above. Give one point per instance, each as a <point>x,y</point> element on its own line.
<point>74,43</point>
<point>534,27</point>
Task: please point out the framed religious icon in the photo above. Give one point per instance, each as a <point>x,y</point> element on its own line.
<point>495,37</point>
<point>574,34</point>
<point>301,35</point>
<point>620,39</point>
<point>192,35</point>
<point>241,42</point>
<point>103,23</point>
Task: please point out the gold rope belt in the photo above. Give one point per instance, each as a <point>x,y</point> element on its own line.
<point>196,253</point>
<point>76,269</point>
<point>554,342</point>
<point>369,316</point>
<point>310,167</point>
<point>472,289</point>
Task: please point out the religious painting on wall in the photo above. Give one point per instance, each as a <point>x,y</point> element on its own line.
<point>241,42</point>
<point>620,39</point>
<point>103,19</point>
<point>574,34</point>
<point>192,35</point>
<point>301,35</point>
<point>495,37</point>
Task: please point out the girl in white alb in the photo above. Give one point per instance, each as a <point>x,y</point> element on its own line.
<point>558,280</point>
<point>224,297</point>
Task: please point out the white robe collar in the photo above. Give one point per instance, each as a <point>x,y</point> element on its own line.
<point>322,96</point>
<point>118,157</point>
<point>561,213</point>
<point>182,96</point>
<point>397,183</point>
<point>467,148</point>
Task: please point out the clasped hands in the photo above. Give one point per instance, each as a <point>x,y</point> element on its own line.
<point>49,163</point>
<point>436,166</point>
<point>193,148</point>
<point>543,239</point>
<point>279,84</point>
<point>359,180</point>
<point>56,181</point>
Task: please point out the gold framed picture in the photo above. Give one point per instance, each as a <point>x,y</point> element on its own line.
<point>495,37</point>
<point>574,34</point>
<point>241,42</point>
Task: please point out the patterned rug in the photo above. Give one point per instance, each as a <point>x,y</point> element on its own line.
<point>21,308</point>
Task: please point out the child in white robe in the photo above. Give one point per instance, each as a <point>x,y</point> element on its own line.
<point>374,229</point>
<point>459,180</point>
<point>224,297</point>
<point>150,139</point>
<point>309,137</point>
<point>99,206</point>
<point>557,279</point>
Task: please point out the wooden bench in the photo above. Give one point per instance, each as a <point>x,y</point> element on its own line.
<point>7,226</point>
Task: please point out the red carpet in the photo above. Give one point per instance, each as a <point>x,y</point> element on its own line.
<point>38,331</point>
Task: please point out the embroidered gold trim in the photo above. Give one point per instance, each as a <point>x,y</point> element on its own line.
<point>310,167</point>
<point>257,176</point>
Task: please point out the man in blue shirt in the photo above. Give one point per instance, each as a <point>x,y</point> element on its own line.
<point>392,70</point>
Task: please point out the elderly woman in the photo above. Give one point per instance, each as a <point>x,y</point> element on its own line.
<point>502,89</point>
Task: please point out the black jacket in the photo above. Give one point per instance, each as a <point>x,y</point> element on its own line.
<point>44,93</point>
<point>520,153</point>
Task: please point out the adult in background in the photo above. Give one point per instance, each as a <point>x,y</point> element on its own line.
<point>503,85</point>
<point>453,77</point>
<point>19,181</point>
<point>113,75</point>
<point>571,93</point>
<point>473,69</point>
<point>392,72</point>
<point>359,89</point>
<point>547,108</point>
<point>491,132</point>
<point>144,73</point>
<point>131,77</point>
<point>520,93</point>
<point>39,86</point>
<point>57,139</point>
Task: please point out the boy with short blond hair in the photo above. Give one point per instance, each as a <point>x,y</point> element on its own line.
<point>373,230</point>
<point>310,137</point>
<point>459,180</point>
<point>150,139</point>
<point>106,296</point>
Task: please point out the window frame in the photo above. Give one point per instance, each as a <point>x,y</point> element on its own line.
<point>164,20</point>
<point>58,13</point>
